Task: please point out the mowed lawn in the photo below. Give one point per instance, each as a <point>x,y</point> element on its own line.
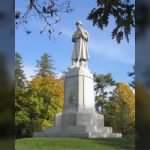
<point>57,143</point>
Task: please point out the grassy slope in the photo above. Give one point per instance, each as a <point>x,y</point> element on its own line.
<point>73,143</point>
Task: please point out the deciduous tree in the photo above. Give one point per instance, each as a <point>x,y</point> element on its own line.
<point>47,11</point>
<point>123,100</point>
<point>49,92</point>
<point>122,11</point>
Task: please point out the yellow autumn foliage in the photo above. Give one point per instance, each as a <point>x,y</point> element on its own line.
<point>126,96</point>
<point>51,91</point>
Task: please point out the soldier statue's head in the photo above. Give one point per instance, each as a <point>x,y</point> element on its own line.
<point>79,24</point>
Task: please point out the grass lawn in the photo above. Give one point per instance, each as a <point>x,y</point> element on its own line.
<point>57,143</point>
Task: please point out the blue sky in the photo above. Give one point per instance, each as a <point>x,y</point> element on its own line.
<point>106,56</point>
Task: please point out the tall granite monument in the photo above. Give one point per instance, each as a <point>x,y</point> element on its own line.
<point>79,118</point>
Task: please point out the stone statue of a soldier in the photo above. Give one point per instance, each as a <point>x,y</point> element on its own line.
<point>80,53</point>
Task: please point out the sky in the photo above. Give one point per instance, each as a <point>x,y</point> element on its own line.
<point>106,56</point>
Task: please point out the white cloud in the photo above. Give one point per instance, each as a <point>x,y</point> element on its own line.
<point>108,49</point>
<point>59,74</point>
<point>29,71</point>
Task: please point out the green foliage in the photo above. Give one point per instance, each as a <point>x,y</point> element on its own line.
<point>23,111</point>
<point>101,83</point>
<point>22,119</point>
<point>109,114</point>
<point>120,110</point>
<point>122,11</point>
<point>49,94</point>
<point>19,73</point>
<point>36,101</point>
<point>45,65</point>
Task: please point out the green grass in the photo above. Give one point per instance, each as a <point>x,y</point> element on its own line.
<point>73,143</point>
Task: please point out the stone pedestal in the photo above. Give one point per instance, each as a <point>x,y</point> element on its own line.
<point>79,90</point>
<point>79,118</point>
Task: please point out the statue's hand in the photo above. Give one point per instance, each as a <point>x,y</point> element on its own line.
<point>78,35</point>
<point>80,28</point>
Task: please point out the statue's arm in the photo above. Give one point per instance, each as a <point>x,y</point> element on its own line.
<point>73,38</point>
<point>85,35</point>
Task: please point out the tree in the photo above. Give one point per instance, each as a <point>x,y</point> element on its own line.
<point>49,93</point>
<point>19,73</point>
<point>109,115</point>
<point>21,116</point>
<point>101,83</point>
<point>48,12</point>
<point>123,11</point>
<point>45,66</point>
<point>132,74</point>
<point>27,113</point>
<point>123,100</point>
<point>37,101</point>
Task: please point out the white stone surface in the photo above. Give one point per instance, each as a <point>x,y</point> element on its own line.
<point>79,90</point>
<point>79,124</point>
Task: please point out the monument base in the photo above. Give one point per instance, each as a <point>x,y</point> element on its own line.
<point>79,118</point>
<point>79,124</point>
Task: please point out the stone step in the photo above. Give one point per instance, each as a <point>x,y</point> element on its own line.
<point>104,130</point>
<point>117,135</point>
<point>104,135</point>
<point>99,129</point>
<point>83,128</point>
<point>77,131</point>
<point>74,129</point>
<point>61,134</point>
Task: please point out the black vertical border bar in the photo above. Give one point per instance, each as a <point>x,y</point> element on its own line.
<point>7,74</point>
<point>142,70</point>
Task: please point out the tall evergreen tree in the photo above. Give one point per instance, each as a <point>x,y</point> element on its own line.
<point>102,81</point>
<point>45,66</point>
<point>19,72</point>
<point>21,114</point>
